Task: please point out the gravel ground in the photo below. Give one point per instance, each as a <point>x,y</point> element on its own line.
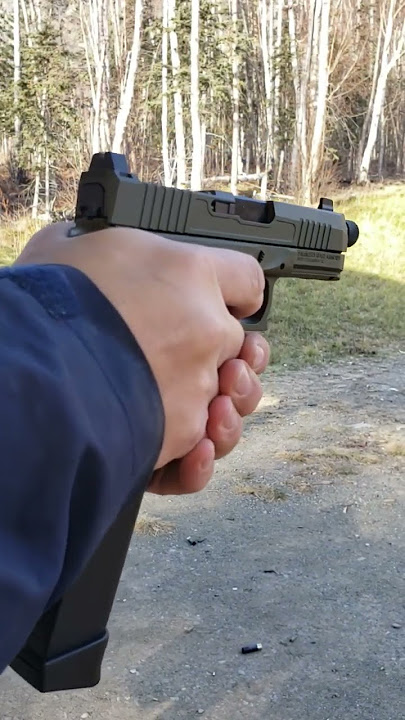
<point>302,549</point>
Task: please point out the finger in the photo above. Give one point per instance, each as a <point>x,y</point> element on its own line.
<point>255,351</point>
<point>224,426</point>
<point>241,281</point>
<point>238,381</point>
<point>231,340</point>
<point>188,475</point>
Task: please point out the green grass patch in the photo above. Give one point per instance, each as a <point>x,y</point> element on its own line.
<point>363,313</point>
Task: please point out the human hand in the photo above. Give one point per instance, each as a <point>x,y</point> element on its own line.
<point>192,473</point>
<point>174,297</point>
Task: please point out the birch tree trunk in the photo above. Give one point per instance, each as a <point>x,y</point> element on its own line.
<point>310,78</point>
<point>266,12</point>
<point>47,187</point>
<point>366,122</point>
<point>301,64</point>
<point>381,147</point>
<point>94,27</point>
<point>33,24</point>
<point>317,146</point>
<point>104,125</point>
<point>302,112</point>
<point>178,99</point>
<point>36,13</point>
<point>292,31</point>
<point>277,81</point>
<point>378,102</point>
<point>264,46</point>
<point>165,109</point>
<point>203,124</point>
<point>117,13</point>
<point>391,53</point>
<point>196,167</point>
<point>37,180</point>
<point>235,99</point>
<point>17,69</point>
<point>127,91</point>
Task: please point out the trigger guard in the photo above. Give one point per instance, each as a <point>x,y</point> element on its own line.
<point>259,320</point>
<point>258,315</point>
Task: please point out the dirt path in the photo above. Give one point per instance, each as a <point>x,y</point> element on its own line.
<point>302,549</point>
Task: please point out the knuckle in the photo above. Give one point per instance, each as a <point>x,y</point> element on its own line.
<point>196,430</point>
<point>207,384</point>
<point>223,446</point>
<point>231,337</point>
<point>239,333</point>
<point>215,331</point>
<point>196,262</point>
<point>247,404</point>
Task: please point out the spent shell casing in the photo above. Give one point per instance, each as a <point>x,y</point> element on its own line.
<point>251,648</point>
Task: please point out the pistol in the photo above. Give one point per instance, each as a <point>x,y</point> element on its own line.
<point>66,648</point>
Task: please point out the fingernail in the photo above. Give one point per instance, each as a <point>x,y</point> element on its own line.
<point>242,385</point>
<point>259,357</point>
<point>205,465</point>
<point>228,422</point>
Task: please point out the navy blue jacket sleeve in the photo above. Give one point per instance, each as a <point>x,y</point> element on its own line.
<point>81,427</point>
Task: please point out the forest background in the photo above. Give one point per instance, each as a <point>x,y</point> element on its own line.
<point>287,99</point>
<point>288,95</point>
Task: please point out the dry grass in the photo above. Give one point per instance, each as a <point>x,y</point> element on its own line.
<point>14,235</point>
<point>300,485</point>
<point>350,454</point>
<point>362,457</point>
<point>396,448</point>
<point>335,468</point>
<point>261,492</point>
<point>342,469</point>
<point>148,525</point>
<point>332,461</point>
<point>298,456</point>
<point>299,435</point>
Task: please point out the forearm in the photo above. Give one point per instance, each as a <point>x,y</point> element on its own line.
<point>82,426</point>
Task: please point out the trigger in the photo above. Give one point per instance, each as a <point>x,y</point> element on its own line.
<point>258,315</point>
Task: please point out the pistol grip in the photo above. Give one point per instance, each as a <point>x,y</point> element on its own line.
<point>66,648</point>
